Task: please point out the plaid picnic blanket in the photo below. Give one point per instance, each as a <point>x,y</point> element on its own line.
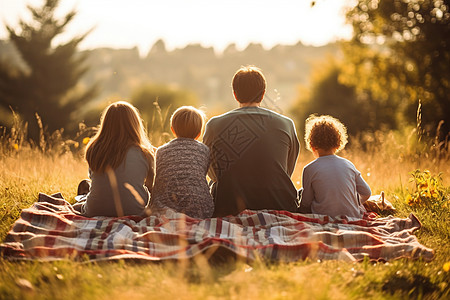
<point>51,230</point>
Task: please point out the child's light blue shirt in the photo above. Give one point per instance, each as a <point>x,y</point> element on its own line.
<point>331,185</point>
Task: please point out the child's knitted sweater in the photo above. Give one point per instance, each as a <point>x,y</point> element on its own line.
<point>180,182</point>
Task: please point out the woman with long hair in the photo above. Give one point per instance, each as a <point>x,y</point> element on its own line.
<point>121,165</point>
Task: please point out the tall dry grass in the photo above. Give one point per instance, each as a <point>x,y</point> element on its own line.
<point>56,164</point>
<point>386,158</point>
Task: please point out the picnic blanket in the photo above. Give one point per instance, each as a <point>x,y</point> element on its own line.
<point>51,230</point>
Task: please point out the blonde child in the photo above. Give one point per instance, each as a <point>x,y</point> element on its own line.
<point>331,184</point>
<point>121,165</point>
<point>181,167</point>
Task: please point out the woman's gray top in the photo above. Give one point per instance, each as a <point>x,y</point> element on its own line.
<point>133,170</point>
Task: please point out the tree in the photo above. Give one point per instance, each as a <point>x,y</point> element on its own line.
<point>48,85</point>
<point>327,95</point>
<point>400,51</point>
<point>157,102</point>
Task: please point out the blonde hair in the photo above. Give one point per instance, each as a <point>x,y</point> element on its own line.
<point>187,122</point>
<point>249,85</point>
<point>121,127</point>
<point>325,132</point>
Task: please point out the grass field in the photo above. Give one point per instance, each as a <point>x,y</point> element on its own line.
<point>386,165</point>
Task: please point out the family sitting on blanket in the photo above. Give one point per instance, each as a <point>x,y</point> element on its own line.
<point>249,154</point>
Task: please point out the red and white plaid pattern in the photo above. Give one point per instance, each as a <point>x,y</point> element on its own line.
<point>51,230</point>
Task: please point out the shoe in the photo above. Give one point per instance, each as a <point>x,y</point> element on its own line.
<point>84,187</point>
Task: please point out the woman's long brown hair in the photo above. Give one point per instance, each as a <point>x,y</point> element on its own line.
<point>120,128</point>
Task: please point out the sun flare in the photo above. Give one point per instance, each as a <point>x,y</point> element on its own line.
<point>209,23</point>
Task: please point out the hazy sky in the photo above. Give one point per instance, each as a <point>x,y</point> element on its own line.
<point>217,23</point>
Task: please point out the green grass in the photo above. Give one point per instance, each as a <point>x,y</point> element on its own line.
<point>26,172</point>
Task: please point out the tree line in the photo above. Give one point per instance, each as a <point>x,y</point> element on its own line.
<point>398,57</point>
<point>395,70</point>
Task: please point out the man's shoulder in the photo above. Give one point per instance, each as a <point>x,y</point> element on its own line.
<point>277,118</point>
<point>274,114</point>
<point>232,114</point>
<point>225,115</point>
<point>221,120</point>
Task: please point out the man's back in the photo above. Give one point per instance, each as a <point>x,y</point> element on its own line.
<point>254,151</point>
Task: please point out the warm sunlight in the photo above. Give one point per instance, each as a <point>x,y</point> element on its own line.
<point>224,149</point>
<point>210,23</point>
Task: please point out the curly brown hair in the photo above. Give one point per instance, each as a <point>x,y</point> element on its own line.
<point>325,132</point>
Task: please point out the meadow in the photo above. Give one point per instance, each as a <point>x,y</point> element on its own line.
<point>387,161</point>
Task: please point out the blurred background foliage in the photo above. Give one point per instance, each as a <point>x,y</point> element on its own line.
<point>327,94</point>
<point>157,102</point>
<point>47,80</point>
<point>398,57</point>
<point>400,53</point>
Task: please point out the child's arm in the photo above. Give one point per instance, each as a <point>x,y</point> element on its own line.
<point>151,172</point>
<point>207,140</point>
<point>307,195</point>
<point>362,188</point>
<point>294,151</point>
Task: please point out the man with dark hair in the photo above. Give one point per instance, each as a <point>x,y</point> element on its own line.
<point>253,152</point>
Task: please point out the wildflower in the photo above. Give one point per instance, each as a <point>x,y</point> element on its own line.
<point>16,147</point>
<point>429,191</point>
<point>86,140</point>
<point>446,266</point>
<point>423,185</point>
<point>409,200</point>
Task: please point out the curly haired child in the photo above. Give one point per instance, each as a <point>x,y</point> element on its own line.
<point>331,184</point>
